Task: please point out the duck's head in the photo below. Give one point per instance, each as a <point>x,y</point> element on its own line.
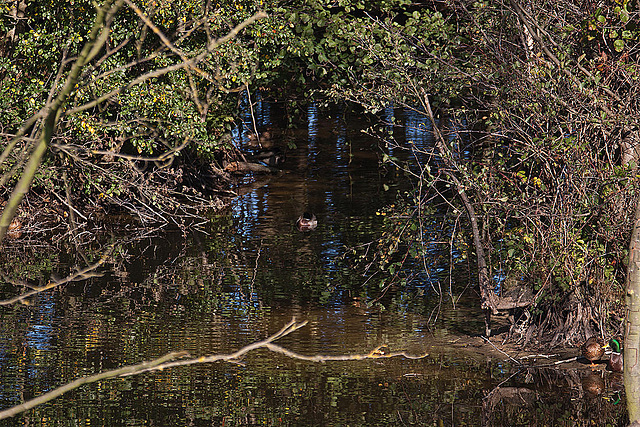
<point>615,345</point>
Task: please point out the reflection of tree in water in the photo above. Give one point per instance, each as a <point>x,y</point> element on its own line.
<point>170,293</point>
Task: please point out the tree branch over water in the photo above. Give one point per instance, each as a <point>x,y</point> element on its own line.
<point>51,113</point>
<point>169,361</point>
<point>44,123</point>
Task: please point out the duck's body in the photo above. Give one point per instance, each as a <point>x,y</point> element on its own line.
<point>307,222</point>
<point>593,349</point>
<point>616,361</point>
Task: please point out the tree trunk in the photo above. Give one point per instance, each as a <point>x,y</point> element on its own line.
<point>489,299</point>
<point>632,333</point>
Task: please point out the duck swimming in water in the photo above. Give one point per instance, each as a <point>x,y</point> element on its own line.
<point>307,222</point>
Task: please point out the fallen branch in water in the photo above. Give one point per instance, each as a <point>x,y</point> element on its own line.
<point>168,361</point>
<point>520,365</point>
<point>493,345</point>
<point>14,410</point>
<point>557,362</point>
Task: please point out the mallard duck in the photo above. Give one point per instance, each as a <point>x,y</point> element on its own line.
<point>593,349</point>
<point>615,358</point>
<point>307,222</point>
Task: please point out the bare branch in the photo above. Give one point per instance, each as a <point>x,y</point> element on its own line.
<point>85,380</point>
<point>51,113</point>
<point>187,64</point>
<point>167,361</point>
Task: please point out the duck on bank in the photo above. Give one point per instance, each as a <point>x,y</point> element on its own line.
<point>593,350</point>
<point>616,361</point>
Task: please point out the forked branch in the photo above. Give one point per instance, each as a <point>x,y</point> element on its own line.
<point>169,361</point>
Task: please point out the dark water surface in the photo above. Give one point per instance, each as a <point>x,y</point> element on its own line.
<point>242,276</point>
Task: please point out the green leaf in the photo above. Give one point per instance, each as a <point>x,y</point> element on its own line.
<point>618,45</point>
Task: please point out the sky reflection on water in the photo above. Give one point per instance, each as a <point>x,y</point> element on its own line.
<point>251,274</point>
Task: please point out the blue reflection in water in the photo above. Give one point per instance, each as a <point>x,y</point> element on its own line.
<point>312,121</point>
<point>241,302</point>
<point>28,356</point>
<point>262,114</point>
<point>342,145</point>
<point>262,110</point>
<point>246,213</point>
<point>388,116</point>
<point>417,129</point>
<point>336,176</point>
<point>40,334</point>
<point>342,153</point>
<point>312,129</point>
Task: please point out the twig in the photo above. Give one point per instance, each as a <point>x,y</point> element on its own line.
<point>166,362</point>
<point>510,358</point>
<point>488,297</point>
<point>321,358</point>
<point>290,327</point>
<point>69,205</point>
<point>170,154</point>
<point>190,63</point>
<point>255,270</point>
<point>543,356</point>
<point>84,380</point>
<point>253,118</point>
<point>557,362</point>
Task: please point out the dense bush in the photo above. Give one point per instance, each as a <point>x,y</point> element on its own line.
<point>539,124</point>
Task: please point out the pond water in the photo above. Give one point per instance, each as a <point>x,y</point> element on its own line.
<point>244,274</point>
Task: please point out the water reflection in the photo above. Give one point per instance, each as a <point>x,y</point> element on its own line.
<point>40,332</point>
<point>312,125</point>
<point>248,275</point>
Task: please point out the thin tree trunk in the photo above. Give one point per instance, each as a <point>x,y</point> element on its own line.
<point>97,37</point>
<point>632,333</point>
<point>489,299</point>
